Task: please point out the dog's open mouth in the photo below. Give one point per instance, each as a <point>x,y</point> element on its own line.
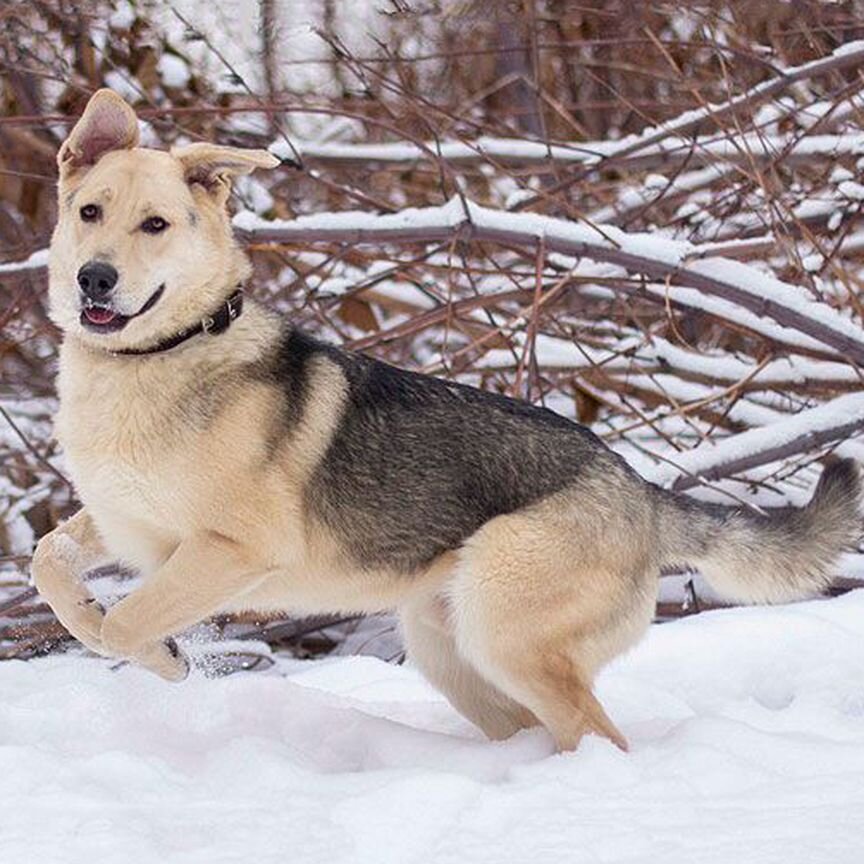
<point>103,318</point>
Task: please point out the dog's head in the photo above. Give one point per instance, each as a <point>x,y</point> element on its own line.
<point>143,245</point>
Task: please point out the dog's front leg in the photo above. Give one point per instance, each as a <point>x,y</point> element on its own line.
<point>203,575</point>
<point>60,560</point>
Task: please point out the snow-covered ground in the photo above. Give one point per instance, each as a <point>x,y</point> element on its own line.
<point>746,726</point>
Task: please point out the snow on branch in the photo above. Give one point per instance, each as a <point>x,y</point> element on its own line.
<point>798,433</point>
<point>686,125</point>
<point>847,56</point>
<point>515,152</point>
<point>36,262</point>
<point>669,261</point>
<point>665,143</point>
<point>633,354</point>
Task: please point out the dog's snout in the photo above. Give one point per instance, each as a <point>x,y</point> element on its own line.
<point>96,279</point>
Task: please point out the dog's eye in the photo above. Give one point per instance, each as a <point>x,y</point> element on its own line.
<point>154,225</point>
<point>90,212</point>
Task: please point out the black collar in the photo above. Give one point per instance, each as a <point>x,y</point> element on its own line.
<point>212,325</point>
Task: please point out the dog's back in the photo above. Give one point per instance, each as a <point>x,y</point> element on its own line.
<point>417,464</point>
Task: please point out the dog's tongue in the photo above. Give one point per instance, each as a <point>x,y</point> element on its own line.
<point>98,315</point>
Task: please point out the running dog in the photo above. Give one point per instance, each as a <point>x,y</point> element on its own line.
<point>241,464</point>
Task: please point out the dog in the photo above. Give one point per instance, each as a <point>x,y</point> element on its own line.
<point>241,464</point>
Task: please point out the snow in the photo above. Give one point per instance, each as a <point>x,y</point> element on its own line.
<point>37,261</point>
<point>673,136</point>
<point>483,147</point>
<point>725,366</point>
<point>173,71</point>
<point>730,147</point>
<point>849,48</point>
<point>745,727</point>
<point>850,189</point>
<point>843,414</point>
<point>124,85</point>
<point>559,353</point>
<point>725,309</point>
<point>123,17</point>
<point>689,120</point>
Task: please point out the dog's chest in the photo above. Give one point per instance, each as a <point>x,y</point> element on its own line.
<point>123,441</point>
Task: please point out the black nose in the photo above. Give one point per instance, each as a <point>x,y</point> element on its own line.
<point>96,279</point>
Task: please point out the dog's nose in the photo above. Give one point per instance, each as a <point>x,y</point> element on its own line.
<point>97,279</point>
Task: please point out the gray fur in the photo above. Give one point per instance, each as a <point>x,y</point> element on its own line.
<point>418,464</point>
<point>784,555</point>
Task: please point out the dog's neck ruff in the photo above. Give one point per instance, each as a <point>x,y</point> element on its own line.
<point>212,325</point>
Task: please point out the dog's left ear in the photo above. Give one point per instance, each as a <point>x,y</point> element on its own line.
<point>107,124</point>
<point>213,166</point>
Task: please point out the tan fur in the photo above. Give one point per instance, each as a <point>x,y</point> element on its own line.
<point>539,626</point>
<point>431,644</point>
<point>184,475</point>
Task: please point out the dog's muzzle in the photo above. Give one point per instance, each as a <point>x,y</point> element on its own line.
<point>101,317</point>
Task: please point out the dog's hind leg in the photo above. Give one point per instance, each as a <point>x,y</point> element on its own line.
<point>540,604</point>
<point>59,563</point>
<point>431,646</point>
<point>205,573</point>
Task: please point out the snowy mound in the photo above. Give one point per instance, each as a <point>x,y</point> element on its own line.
<point>747,729</point>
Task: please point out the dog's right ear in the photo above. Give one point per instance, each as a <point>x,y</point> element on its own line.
<point>107,124</point>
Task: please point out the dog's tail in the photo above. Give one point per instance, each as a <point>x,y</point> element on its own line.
<point>754,558</point>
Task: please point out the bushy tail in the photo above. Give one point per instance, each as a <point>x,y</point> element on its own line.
<point>785,555</point>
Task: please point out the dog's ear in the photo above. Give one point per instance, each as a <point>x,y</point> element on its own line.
<point>107,124</point>
<point>213,166</point>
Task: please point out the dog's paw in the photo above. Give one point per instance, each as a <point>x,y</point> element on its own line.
<point>162,658</point>
<point>165,660</point>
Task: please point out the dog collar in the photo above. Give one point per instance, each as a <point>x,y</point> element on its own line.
<point>212,325</point>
